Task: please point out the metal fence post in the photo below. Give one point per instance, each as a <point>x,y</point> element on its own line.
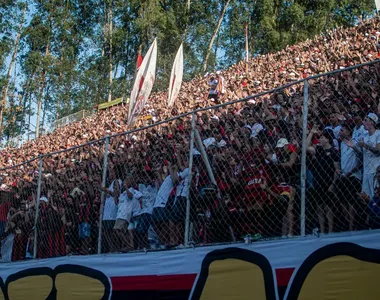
<point>204,156</point>
<point>303,156</point>
<point>37,208</point>
<point>102,198</point>
<point>187,222</point>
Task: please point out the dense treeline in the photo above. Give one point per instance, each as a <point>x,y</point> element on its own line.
<point>60,56</point>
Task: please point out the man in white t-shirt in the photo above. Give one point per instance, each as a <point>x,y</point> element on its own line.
<point>359,131</point>
<point>349,182</point>
<point>143,216</point>
<point>109,213</point>
<point>128,202</point>
<point>371,153</point>
<point>213,83</point>
<point>170,210</point>
<point>335,127</point>
<point>253,125</point>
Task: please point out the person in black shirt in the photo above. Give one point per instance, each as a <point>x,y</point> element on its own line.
<point>325,164</point>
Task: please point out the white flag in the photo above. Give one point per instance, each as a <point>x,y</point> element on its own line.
<point>176,77</point>
<point>143,84</point>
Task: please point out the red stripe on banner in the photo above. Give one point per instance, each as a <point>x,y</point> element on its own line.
<point>176,282</point>
<point>283,276</point>
<point>154,282</point>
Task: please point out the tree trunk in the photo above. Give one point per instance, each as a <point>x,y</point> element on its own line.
<point>41,94</point>
<point>44,110</point>
<point>25,99</point>
<point>13,59</point>
<point>30,115</point>
<point>221,16</point>
<point>110,13</point>
<point>188,6</point>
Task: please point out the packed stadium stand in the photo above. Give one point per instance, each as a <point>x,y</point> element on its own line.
<point>253,149</point>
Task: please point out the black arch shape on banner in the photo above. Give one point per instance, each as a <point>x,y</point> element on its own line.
<point>348,249</point>
<point>241,254</point>
<point>28,273</point>
<point>89,272</point>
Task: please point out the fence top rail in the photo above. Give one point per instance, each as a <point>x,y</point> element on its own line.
<point>197,111</point>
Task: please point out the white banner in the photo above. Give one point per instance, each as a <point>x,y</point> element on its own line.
<point>176,77</point>
<point>143,83</point>
<point>377,2</point>
<point>344,265</point>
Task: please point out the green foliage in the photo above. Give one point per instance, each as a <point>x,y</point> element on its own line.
<point>65,52</point>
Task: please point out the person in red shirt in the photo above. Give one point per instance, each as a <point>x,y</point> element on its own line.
<point>4,209</point>
<point>279,207</point>
<point>253,197</point>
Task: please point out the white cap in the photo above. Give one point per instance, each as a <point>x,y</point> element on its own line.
<point>208,142</point>
<point>281,143</point>
<point>43,198</point>
<point>373,117</point>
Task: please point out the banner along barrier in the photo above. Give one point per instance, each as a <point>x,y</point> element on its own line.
<point>344,265</point>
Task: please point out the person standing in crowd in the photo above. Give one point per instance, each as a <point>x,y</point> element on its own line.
<point>148,187</point>
<point>335,126</point>
<point>71,231</point>
<point>359,132</point>
<point>287,160</point>
<point>373,204</point>
<point>213,83</point>
<point>128,203</point>
<point>325,165</point>
<point>51,232</point>
<point>220,88</point>
<point>20,225</point>
<point>279,207</point>
<point>350,173</point>
<point>110,213</point>
<point>170,205</point>
<point>371,153</point>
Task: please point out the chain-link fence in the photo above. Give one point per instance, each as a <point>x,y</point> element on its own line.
<point>298,160</point>
<point>72,118</point>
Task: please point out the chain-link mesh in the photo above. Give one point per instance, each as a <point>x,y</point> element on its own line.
<point>17,211</point>
<point>69,203</point>
<point>342,151</point>
<point>242,180</point>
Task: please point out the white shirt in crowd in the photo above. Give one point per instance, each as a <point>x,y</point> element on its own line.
<point>164,192</point>
<point>349,160</point>
<point>148,198</point>
<point>127,206</point>
<point>370,160</point>
<point>255,129</point>
<point>110,208</point>
<point>183,185</point>
<point>221,83</point>
<point>359,133</point>
<point>336,131</point>
<point>167,186</point>
<point>213,84</point>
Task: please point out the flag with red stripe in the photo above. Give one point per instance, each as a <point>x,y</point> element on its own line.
<point>176,77</point>
<point>143,85</point>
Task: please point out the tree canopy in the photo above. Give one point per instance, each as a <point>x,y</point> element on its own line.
<point>74,54</point>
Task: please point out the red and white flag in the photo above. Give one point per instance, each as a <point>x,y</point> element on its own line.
<point>176,77</point>
<point>143,85</point>
<point>139,60</point>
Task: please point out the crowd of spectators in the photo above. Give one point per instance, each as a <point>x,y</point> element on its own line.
<point>253,150</point>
